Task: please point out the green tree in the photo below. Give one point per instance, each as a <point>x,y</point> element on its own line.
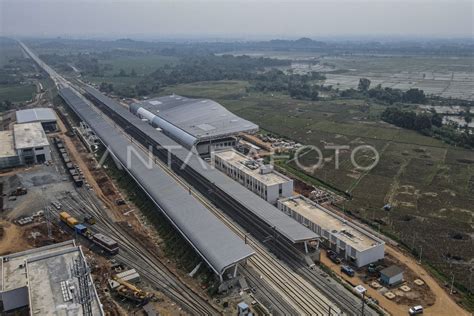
<point>122,73</point>
<point>436,120</point>
<point>414,96</point>
<point>364,84</point>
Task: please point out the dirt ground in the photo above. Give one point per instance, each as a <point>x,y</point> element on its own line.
<point>12,240</point>
<point>444,304</point>
<point>431,296</point>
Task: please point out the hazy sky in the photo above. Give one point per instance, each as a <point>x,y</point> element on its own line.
<point>244,19</point>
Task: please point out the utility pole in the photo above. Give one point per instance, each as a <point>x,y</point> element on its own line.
<point>361,290</point>
<point>363,303</point>
<point>452,283</point>
<point>421,252</point>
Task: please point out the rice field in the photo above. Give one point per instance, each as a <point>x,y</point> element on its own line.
<point>429,184</point>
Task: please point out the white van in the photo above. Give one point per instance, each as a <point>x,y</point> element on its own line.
<point>415,310</point>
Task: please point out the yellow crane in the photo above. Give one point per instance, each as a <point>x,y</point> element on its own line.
<point>132,292</point>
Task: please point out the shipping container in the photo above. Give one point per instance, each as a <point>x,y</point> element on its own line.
<point>80,229</point>
<point>64,216</point>
<point>71,222</point>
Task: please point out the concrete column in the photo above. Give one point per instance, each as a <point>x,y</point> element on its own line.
<point>306,247</point>
<point>235,269</point>
<point>220,278</point>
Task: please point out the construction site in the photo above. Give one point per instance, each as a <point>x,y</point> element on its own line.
<point>120,216</point>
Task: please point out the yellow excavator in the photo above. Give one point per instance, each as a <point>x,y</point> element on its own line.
<point>132,292</point>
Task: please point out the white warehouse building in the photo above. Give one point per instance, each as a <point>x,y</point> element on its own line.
<point>258,178</point>
<point>354,244</point>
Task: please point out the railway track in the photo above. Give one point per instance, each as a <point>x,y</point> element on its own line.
<point>134,254</point>
<point>176,289</point>
<point>303,297</point>
<point>291,290</point>
<point>272,301</point>
<point>344,298</point>
<point>270,272</point>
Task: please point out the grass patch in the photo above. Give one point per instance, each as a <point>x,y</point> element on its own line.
<point>17,93</point>
<point>143,65</point>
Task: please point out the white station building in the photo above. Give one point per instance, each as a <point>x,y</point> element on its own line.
<point>202,124</point>
<point>354,244</point>
<point>261,179</point>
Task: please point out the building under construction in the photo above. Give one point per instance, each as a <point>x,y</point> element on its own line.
<point>50,280</point>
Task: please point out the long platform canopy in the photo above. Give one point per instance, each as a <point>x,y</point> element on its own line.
<point>214,241</point>
<point>283,224</point>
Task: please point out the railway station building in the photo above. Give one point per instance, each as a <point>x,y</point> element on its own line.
<point>261,179</point>
<point>238,198</point>
<point>356,245</point>
<point>202,124</point>
<point>220,248</point>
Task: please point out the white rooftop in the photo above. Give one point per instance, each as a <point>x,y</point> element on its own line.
<point>35,115</point>
<point>352,235</point>
<point>7,147</point>
<point>29,135</point>
<point>238,160</point>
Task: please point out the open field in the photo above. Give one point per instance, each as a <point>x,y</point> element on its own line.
<point>17,93</point>
<point>116,81</point>
<point>442,76</point>
<point>449,77</point>
<point>428,183</point>
<point>8,50</point>
<point>142,65</point>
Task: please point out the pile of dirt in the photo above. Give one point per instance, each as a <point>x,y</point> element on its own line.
<point>13,239</point>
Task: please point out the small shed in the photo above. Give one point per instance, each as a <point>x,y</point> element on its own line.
<point>391,275</point>
<point>243,309</point>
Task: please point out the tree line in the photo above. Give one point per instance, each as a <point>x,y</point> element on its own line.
<point>297,86</point>
<point>431,124</point>
<point>385,95</point>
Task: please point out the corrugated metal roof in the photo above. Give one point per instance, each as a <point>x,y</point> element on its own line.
<point>268,213</point>
<point>219,246</point>
<point>392,271</point>
<point>35,115</point>
<point>202,118</point>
